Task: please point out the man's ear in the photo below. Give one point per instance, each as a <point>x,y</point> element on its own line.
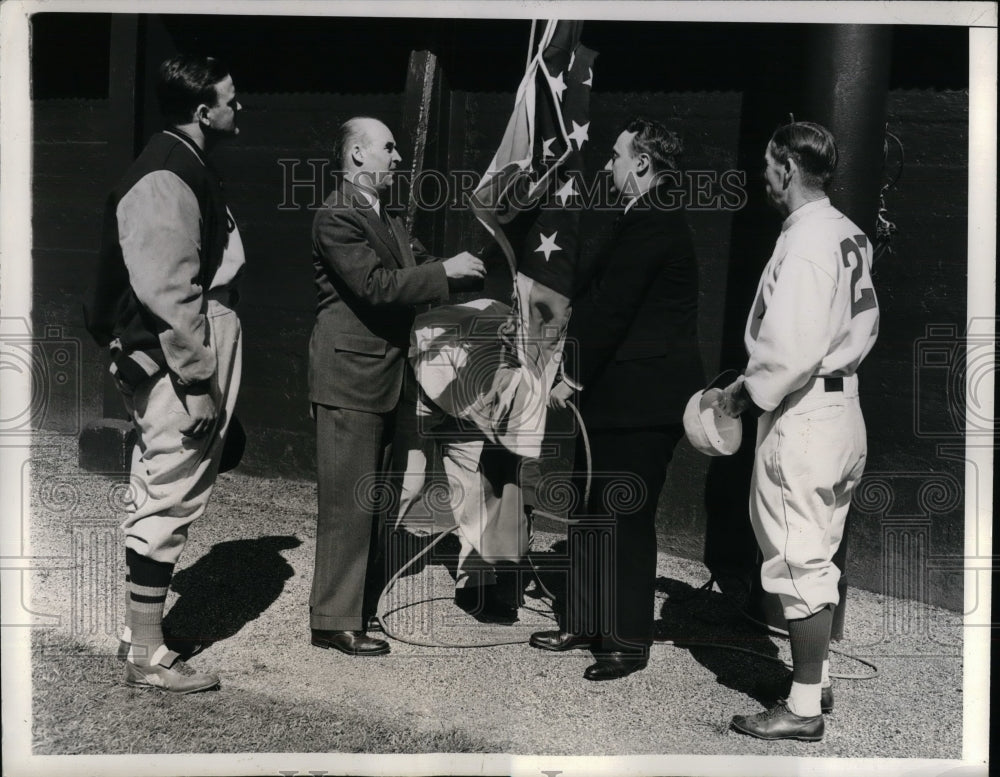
<point>791,168</point>
<point>357,155</point>
<point>643,164</point>
<point>201,113</point>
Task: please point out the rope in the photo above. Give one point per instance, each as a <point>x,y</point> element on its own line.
<point>586,448</point>
<point>382,613</point>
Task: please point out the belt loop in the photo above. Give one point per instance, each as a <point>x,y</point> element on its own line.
<point>833,384</point>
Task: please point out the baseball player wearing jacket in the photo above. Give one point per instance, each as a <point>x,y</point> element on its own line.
<point>162,302</point>
<point>814,319</point>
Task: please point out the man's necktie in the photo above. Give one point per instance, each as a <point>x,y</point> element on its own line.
<point>384,217</point>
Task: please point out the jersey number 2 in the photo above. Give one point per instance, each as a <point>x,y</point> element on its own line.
<point>853,256</point>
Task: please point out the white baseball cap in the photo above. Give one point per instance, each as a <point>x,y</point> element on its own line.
<point>708,429</point>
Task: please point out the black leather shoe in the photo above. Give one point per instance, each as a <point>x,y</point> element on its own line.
<point>353,643</point>
<point>374,624</point>
<point>484,604</point>
<point>779,722</point>
<point>611,666</point>
<point>558,641</point>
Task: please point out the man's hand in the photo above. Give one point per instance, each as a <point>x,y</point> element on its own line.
<point>201,408</point>
<point>464,266</point>
<point>559,396</point>
<point>734,399</point>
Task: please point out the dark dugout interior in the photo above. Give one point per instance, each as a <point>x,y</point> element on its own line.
<point>70,53</point>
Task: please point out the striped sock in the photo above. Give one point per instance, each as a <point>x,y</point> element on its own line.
<point>148,584</point>
<point>127,631</point>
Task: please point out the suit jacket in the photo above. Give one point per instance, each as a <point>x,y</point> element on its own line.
<point>632,339</point>
<point>369,277</point>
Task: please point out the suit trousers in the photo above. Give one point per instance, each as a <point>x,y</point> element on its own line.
<point>173,474</point>
<point>612,541</point>
<point>354,450</point>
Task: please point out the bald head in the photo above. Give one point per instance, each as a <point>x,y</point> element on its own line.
<point>366,152</point>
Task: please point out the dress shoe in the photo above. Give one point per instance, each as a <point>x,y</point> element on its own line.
<point>485,605</point>
<point>353,643</point>
<point>779,722</point>
<point>558,641</point>
<point>374,624</point>
<point>611,666</point>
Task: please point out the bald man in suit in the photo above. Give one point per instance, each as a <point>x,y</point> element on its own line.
<point>369,278</point>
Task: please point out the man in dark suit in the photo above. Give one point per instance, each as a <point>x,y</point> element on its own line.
<point>369,277</point>
<point>633,354</point>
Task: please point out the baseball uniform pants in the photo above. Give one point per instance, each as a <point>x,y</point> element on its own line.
<point>810,455</point>
<point>173,474</point>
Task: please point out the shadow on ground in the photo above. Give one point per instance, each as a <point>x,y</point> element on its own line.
<point>710,625</point>
<point>231,585</point>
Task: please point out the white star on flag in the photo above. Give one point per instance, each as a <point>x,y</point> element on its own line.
<point>547,147</point>
<point>548,245</point>
<point>567,191</point>
<point>579,134</point>
<point>557,84</point>
<point>590,78</point>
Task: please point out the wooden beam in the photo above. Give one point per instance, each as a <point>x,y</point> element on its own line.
<point>417,104</point>
<point>439,149</point>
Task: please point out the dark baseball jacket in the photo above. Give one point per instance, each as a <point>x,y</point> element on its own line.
<point>165,231</point>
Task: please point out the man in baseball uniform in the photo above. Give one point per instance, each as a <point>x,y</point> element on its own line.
<point>814,319</point>
<point>171,258</point>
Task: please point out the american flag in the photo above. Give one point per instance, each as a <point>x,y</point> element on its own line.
<point>529,200</point>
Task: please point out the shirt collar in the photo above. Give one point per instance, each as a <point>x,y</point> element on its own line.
<point>368,196</point>
<point>804,210</point>
<point>656,183</point>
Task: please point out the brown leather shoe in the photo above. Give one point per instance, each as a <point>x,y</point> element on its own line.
<point>558,641</point>
<point>612,666</point>
<point>779,722</point>
<point>353,643</point>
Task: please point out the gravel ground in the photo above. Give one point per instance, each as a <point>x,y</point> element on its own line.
<point>244,581</point>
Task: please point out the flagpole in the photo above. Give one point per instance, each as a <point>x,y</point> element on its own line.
<point>531,44</point>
